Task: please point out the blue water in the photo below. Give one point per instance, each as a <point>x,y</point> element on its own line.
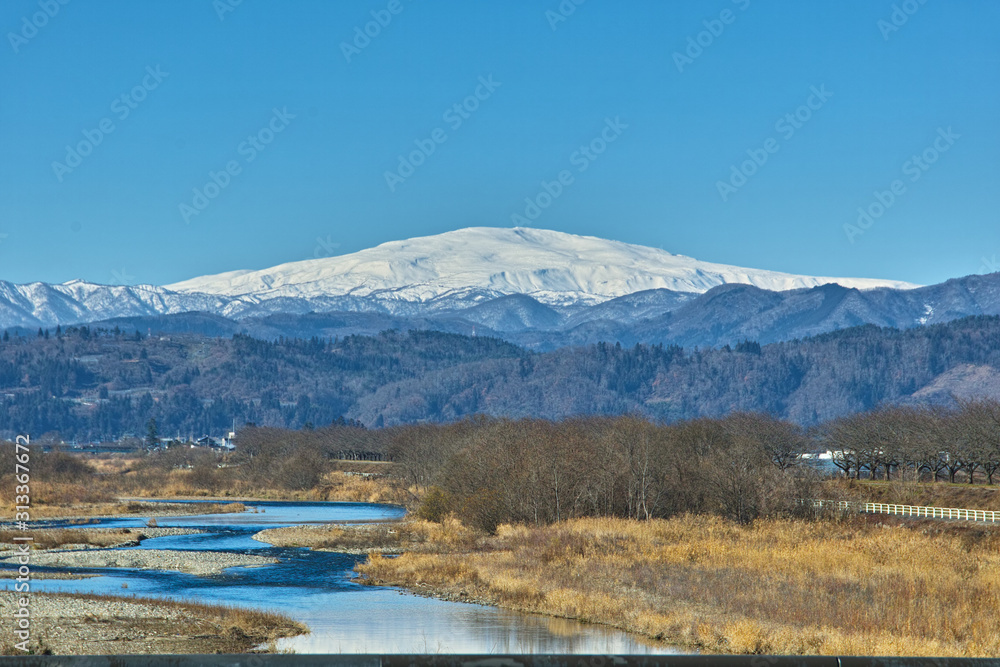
<point>315,587</point>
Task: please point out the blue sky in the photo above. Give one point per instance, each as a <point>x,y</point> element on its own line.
<point>298,120</point>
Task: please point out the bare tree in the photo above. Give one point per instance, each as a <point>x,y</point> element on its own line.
<point>844,439</point>
<point>976,427</point>
<point>782,442</point>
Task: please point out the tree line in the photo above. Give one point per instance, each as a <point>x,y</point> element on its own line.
<point>490,471</point>
<point>917,443</point>
<point>99,384</point>
<point>493,471</point>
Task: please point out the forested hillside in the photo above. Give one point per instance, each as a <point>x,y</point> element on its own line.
<point>97,384</point>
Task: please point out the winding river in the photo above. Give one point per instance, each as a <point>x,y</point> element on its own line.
<point>315,587</point>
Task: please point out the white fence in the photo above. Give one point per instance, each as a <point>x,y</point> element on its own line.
<point>910,510</point>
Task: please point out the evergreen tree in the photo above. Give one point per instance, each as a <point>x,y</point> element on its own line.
<point>152,434</point>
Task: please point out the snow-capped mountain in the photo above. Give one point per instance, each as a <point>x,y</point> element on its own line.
<point>553,268</point>
<point>41,304</point>
<point>539,288</point>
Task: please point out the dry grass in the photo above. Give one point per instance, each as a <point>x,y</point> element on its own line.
<point>336,485</point>
<point>858,587</point>
<point>220,508</point>
<point>112,464</point>
<point>349,539</point>
<point>68,493</point>
<point>346,486</point>
<point>131,508</point>
<point>368,467</point>
<point>138,507</point>
<point>74,509</point>
<point>59,537</point>
<point>353,487</point>
<point>413,536</point>
<point>937,494</point>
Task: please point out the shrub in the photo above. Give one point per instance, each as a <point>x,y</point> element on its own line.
<point>484,510</point>
<point>436,505</point>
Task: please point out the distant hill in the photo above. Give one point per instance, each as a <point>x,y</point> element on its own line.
<point>91,383</point>
<point>723,315</point>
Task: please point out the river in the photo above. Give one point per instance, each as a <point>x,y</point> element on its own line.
<point>315,587</point>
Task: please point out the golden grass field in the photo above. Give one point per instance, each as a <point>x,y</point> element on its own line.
<point>937,494</point>
<point>859,586</point>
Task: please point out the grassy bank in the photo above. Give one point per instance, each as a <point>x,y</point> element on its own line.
<point>62,537</point>
<point>123,508</point>
<point>858,587</point>
<point>337,485</point>
<point>78,624</point>
<point>935,494</point>
<point>365,538</point>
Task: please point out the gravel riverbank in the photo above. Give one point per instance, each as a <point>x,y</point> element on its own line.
<point>191,562</point>
<point>102,625</point>
<point>148,532</point>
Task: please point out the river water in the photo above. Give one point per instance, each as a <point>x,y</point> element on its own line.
<point>315,587</point>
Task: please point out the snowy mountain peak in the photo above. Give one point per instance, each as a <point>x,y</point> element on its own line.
<point>553,267</point>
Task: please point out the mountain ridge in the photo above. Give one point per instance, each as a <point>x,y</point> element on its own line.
<point>722,316</point>
<point>572,282</point>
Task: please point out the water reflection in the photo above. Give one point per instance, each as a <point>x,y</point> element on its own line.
<point>387,621</point>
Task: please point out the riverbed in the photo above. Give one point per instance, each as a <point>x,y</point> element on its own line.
<point>315,587</point>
